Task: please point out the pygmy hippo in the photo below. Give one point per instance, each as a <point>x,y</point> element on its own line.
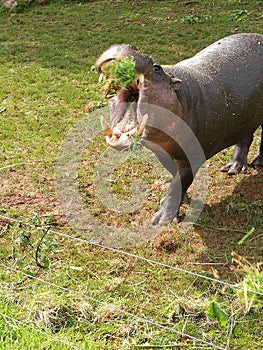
<point>218,93</point>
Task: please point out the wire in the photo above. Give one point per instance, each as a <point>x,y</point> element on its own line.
<point>211,279</point>
<point>127,313</point>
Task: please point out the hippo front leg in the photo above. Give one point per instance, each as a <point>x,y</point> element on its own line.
<point>172,201</point>
<point>167,162</point>
<point>239,158</point>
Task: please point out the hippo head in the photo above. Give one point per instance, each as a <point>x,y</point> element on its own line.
<point>128,108</point>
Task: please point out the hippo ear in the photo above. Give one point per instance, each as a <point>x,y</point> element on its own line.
<point>175,82</point>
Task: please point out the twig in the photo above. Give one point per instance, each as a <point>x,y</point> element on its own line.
<point>2,110</point>
<point>18,164</point>
<point>38,247</point>
<point>206,263</point>
<point>26,163</point>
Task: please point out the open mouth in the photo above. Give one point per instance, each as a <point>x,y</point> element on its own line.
<point>127,122</point>
<point>123,134</point>
<point>124,68</point>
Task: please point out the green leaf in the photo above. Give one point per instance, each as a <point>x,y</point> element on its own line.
<point>51,245</point>
<point>20,263</point>
<point>36,221</point>
<point>23,239</point>
<point>46,262</point>
<point>28,273</point>
<point>216,313</point>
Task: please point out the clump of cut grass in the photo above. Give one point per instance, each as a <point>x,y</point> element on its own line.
<point>119,75</point>
<point>252,280</point>
<point>106,313</point>
<point>54,318</point>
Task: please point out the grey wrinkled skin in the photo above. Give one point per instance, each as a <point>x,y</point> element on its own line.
<point>218,93</point>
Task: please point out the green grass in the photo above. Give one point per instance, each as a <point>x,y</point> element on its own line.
<point>47,86</point>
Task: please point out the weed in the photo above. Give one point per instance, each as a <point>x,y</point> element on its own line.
<point>191,19</point>
<point>215,312</point>
<point>252,280</point>
<point>240,15</point>
<point>45,247</point>
<point>25,247</point>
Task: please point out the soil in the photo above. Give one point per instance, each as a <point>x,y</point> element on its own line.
<point>18,193</point>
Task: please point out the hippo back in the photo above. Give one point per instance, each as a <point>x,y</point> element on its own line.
<point>222,90</point>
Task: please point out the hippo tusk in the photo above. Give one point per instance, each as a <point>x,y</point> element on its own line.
<point>140,78</point>
<point>141,126</point>
<point>105,127</point>
<point>101,78</point>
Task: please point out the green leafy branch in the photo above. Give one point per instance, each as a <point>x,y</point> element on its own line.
<point>119,75</point>
<point>26,244</point>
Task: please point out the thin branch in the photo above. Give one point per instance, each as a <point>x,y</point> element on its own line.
<point>38,247</point>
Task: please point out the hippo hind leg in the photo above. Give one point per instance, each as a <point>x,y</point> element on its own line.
<point>239,158</point>
<point>258,161</point>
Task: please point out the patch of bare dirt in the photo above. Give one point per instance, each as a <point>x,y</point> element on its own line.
<point>17,192</point>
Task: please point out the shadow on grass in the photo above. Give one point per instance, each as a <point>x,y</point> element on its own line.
<point>223,224</point>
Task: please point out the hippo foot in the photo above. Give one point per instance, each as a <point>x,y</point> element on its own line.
<point>258,161</point>
<point>164,217</point>
<point>233,167</point>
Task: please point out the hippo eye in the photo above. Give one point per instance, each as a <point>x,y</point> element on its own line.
<point>157,68</point>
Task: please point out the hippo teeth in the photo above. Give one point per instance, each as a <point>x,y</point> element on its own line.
<point>105,127</point>
<point>122,133</point>
<point>101,78</point>
<point>141,126</point>
<point>140,77</point>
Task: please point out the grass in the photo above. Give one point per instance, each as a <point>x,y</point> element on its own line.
<point>47,86</point>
